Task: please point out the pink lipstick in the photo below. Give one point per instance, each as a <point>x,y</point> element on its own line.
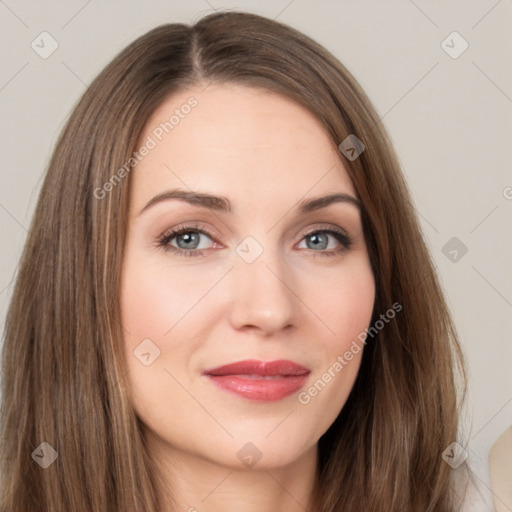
<point>267,381</point>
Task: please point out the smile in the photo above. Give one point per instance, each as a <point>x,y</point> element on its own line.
<point>259,380</point>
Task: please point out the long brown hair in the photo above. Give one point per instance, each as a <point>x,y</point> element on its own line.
<point>64,377</point>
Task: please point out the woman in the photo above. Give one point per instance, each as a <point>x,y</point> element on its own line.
<point>177,339</point>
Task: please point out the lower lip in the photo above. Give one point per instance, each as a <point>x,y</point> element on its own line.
<point>266,390</point>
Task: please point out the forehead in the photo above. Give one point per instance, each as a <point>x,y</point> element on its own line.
<point>239,141</point>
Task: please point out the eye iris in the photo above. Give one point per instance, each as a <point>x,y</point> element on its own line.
<point>189,238</point>
<point>322,238</point>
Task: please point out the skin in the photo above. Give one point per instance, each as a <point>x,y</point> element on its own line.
<point>265,153</point>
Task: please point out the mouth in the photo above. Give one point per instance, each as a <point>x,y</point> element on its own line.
<point>266,381</point>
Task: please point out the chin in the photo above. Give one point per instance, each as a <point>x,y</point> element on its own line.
<point>261,450</point>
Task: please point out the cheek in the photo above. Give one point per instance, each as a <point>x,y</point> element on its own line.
<point>154,306</point>
<point>156,297</point>
<point>164,304</point>
<point>344,303</point>
<point>145,303</point>
<point>152,303</point>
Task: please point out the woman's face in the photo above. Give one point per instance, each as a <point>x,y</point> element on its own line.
<point>264,280</point>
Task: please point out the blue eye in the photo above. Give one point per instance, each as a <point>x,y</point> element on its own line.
<point>320,240</point>
<point>188,238</point>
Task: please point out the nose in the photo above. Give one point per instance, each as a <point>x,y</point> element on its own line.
<point>262,295</point>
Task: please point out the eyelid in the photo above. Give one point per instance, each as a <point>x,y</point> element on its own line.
<point>189,226</point>
<point>324,226</point>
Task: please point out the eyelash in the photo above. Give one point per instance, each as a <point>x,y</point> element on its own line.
<point>163,241</point>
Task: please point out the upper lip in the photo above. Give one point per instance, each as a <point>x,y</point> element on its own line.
<point>263,368</point>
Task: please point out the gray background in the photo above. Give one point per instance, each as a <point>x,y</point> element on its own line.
<point>449,118</point>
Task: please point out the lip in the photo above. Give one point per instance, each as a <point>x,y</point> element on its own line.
<point>267,381</point>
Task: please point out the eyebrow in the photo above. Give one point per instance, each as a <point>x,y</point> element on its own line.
<point>223,204</point>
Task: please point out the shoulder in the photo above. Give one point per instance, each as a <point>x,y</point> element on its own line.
<point>472,490</point>
<point>500,463</point>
